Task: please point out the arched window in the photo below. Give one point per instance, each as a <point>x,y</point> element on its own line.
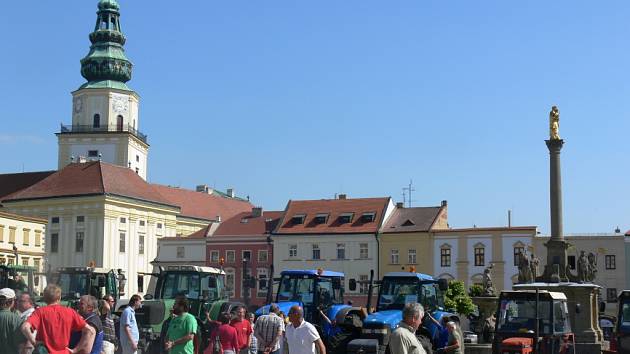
<point>97,121</point>
<point>119,123</point>
<point>477,279</point>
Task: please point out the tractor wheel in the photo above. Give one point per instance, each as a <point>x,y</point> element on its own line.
<point>338,343</point>
<point>426,343</point>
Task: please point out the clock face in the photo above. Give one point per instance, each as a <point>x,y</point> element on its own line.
<point>78,104</point>
<point>120,104</point>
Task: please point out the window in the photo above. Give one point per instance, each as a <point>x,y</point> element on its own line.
<point>247,256</point>
<point>571,261</point>
<point>121,242</point>
<point>11,234</point>
<point>341,251</point>
<point>263,256</point>
<point>54,243</point>
<point>229,282</point>
<point>214,256</point>
<point>394,256</point>
<point>363,284</point>
<point>345,218</point>
<point>54,220</point>
<point>480,256</point>
<point>25,261</point>
<point>11,261</point>
<point>316,251</point>
<point>26,235</point>
<point>78,244</point>
<point>517,251</point>
<point>611,262</point>
<point>298,219</point>
<point>368,217</point>
<point>411,256</point>
<point>140,244</point>
<point>80,219</point>
<point>611,295</point>
<point>445,257</point>
<point>97,121</point>
<point>36,263</point>
<point>245,286</point>
<point>261,290</point>
<point>320,218</point>
<point>92,153</point>
<point>137,158</point>
<point>142,222</point>
<point>230,256</point>
<point>363,251</point>
<point>38,238</point>
<point>292,251</point>
<point>159,225</point>
<point>123,220</point>
<point>181,252</point>
<point>140,283</point>
<point>137,170</point>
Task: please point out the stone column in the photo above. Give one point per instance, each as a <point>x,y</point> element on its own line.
<point>556,247</point>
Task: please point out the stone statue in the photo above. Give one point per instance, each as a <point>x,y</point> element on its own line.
<point>582,267</point>
<point>488,287</point>
<point>533,263</point>
<point>524,269</point>
<point>592,267</point>
<point>554,123</point>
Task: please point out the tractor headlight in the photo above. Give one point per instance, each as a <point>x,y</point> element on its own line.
<point>381,331</point>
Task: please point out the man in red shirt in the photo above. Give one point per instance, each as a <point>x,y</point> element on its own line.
<point>54,324</point>
<point>243,330</point>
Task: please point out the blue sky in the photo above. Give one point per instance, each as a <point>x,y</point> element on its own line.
<point>304,99</point>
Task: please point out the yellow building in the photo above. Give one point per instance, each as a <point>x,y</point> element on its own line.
<point>22,241</point>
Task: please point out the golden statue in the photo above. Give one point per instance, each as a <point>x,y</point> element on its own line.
<point>554,123</point>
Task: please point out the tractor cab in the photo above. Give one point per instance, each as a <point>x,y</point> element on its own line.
<point>621,341</point>
<point>530,321</point>
<point>18,278</point>
<point>98,282</point>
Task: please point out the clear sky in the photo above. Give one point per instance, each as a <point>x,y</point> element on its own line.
<point>304,99</point>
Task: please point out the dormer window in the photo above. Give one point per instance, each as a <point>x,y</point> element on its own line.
<point>321,218</point>
<point>368,217</point>
<point>298,219</point>
<point>345,218</point>
<point>244,220</point>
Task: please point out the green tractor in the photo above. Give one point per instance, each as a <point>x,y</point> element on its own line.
<point>98,282</point>
<point>203,287</point>
<point>17,277</point>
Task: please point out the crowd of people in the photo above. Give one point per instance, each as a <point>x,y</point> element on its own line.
<point>57,329</point>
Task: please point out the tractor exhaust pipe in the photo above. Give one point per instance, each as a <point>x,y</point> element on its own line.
<point>270,285</point>
<point>370,290</point>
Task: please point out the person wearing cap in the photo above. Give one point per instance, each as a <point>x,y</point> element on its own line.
<point>10,322</point>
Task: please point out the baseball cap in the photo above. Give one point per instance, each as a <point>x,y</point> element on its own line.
<point>7,293</point>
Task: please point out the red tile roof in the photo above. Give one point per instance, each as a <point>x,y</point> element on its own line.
<point>91,178</point>
<point>417,219</point>
<point>203,205</point>
<point>246,225</point>
<point>13,182</point>
<point>334,208</point>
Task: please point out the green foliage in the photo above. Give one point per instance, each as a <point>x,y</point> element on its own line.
<point>475,290</point>
<point>456,299</point>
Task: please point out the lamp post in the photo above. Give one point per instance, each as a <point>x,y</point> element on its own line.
<point>245,285</point>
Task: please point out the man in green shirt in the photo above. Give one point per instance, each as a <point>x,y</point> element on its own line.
<point>455,343</point>
<point>10,335</point>
<point>181,330</point>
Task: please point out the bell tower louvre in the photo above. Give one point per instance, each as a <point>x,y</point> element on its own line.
<point>104,109</point>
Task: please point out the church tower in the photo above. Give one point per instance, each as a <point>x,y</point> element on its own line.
<point>104,109</point>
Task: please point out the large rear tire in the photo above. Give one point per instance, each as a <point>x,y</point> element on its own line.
<point>426,343</point>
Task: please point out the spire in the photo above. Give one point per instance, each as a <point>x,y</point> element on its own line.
<point>106,65</point>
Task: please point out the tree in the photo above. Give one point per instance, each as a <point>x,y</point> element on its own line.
<point>457,300</point>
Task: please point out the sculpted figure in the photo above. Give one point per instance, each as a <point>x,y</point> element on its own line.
<point>592,267</point>
<point>582,267</point>
<point>533,263</point>
<point>554,123</point>
<point>488,287</point>
<point>524,269</point>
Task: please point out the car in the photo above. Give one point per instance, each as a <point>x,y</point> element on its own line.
<point>470,337</point>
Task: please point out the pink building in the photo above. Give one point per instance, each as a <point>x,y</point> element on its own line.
<point>243,245</point>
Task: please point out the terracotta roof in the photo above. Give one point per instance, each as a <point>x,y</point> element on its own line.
<point>91,178</point>
<point>491,228</point>
<point>203,205</point>
<point>201,233</point>
<point>417,219</point>
<point>13,182</point>
<point>246,224</point>
<point>330,211</point>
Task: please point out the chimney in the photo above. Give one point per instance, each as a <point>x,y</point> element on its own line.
<point>82,159</point>
<point>444,203</point>
<point>257,212</point>
<point>400,205</point>
<point>230,192</point>
<point>203,188</point>
<point>342,196</point>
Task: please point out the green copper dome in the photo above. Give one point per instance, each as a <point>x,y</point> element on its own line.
<point>106,65</point>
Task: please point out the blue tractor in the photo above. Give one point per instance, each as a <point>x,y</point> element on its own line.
<point>396,290</point>
<point>319,290</point>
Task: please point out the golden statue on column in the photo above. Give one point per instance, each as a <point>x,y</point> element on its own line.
<point>554,123</point>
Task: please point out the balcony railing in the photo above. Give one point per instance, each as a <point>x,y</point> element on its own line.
<point>104,129</point>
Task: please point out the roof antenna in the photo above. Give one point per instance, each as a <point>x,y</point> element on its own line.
<point>409,189</point>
